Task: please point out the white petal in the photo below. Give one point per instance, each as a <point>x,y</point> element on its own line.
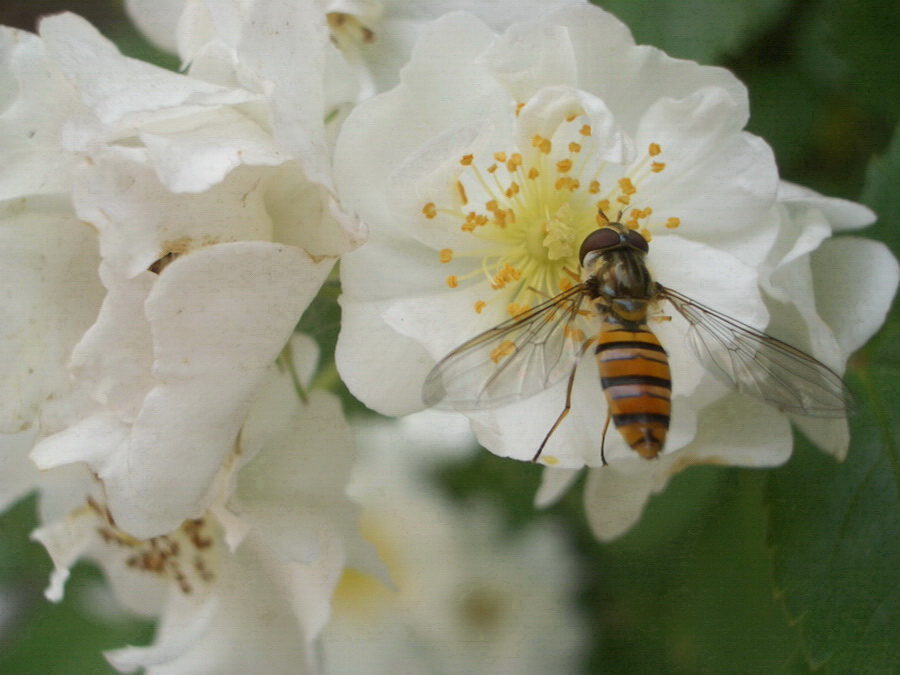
<point>115,86</point>
<point>842,214</point>
<point>65,542</point>
<point>219,317</point>
<point>855,281</point>
<point>629,79</point>
<point>554,483</point>
<point>294,489</point>
<point>190,633</point>
<point>49,295</point>
<point>34,102</point>
<point>115,355</point>
<point>372,145</point>
<point>738,431</point>
<point>202,151</point>
<point>157,20</point>
<point>392,383</point>
<point>530,56</point>
<point>93,440</point>
<point>114,194</point>
<point>550,107</point>
<point>284,44</point>
<point>615,496</point>
<point>706,154</point>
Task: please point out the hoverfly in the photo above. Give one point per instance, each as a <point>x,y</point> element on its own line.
<point>534,350</point>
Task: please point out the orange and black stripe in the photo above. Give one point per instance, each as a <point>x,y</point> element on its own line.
<point>634,371</point>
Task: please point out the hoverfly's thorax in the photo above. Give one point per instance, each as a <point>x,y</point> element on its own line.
<point>615,273</point>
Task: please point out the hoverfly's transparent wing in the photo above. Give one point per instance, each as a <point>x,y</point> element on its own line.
<point>760,365</point>
<point>514,360</point>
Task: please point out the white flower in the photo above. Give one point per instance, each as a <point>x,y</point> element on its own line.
<point>249,583</point>
<point>465,595</point>
<point>372,38</point>
<point>216,226</point>
<point>482,172</point>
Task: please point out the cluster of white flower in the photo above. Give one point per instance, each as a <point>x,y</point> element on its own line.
<point>163,234</point>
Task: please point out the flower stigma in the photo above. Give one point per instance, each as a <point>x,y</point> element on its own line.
<point>537,207</point>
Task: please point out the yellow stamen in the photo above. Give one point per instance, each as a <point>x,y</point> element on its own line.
<point>506,348</point>
<point>626,186</point>
<point>429,210</point>
<point>624,199</point>
<point>574,147</point>
<point>446,255</point>
<point>480,305</point>
<point>466,160</point>
<point>656,167</point>
<point>585,130</point>
<point>500,157</point>
<point>594,187</point>
<point>515,310</point>
<point>564,165</point>
<point>452,281</point>
<point>533,173</point>
<point>654,149</point>
<point>645,233</point>
<point>462,192</point>
<point>672,223</point>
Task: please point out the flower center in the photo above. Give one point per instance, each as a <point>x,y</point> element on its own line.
<point>182,555</point>
<point>535,214</point>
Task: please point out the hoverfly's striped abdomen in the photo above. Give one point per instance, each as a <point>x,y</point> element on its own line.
<point>634,371</point>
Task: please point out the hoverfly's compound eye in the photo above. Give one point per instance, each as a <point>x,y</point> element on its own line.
<point>637,240</point>
<point>599,240</point>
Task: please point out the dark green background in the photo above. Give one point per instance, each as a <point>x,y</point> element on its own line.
<point>729,570</point>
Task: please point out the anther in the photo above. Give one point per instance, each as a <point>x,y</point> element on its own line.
<point>429,210</point>
<point>654,149</point>
<point>626,186</point>
<point>446,255</point>
<point>672,223</point>
<point>453,281</point>
<point>462,193</point>
<point>466,160</point>
<point>656,167</point>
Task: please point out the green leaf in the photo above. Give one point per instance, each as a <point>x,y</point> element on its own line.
<point>882,181</point>
<point>836,533</point>
<point>702,30</point>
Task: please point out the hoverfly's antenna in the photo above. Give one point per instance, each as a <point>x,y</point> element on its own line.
<point>603,215</point>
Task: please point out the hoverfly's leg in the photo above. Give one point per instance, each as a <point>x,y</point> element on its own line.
<point>562,415</point>
<point>603,440</point>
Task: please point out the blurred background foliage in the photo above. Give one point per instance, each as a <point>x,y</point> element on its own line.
<point>729,570</point>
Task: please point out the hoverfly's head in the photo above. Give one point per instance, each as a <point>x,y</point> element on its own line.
<point>613,235</point>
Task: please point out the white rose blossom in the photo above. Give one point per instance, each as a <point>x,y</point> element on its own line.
<point>216,227</point>
<point>455,602</point>
<point>164,233</point>
<point>258,569</point>
<point>482,172</point>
